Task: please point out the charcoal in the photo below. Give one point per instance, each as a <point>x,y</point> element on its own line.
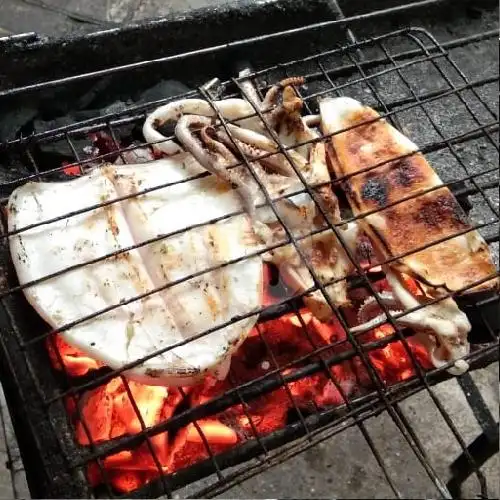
<point>162,90</point>
<point>52,154</point>
<point>115,107</point>
<point>41,126</point>
<point>9,175</point>
<point>70,119</point>
<point>64,101</point>
<point>60,150</point>
<point>90,97</point>
<point>12,122</point>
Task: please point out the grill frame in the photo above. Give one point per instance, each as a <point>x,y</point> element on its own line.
<point>61,479</point>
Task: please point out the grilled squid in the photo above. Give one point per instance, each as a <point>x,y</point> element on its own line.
<point>386,180</point>
<point>242,111</point>
<point>322,252</point>
<point>230,109</point>
<point>450,345</point>
<point>215,159</point>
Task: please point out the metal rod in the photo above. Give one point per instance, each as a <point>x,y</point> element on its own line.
<point>217,48</point>
<point>312,427</point>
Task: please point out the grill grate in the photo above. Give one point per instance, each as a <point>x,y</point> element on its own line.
<point>387,80</point>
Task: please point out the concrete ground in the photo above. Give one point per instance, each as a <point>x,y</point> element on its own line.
<point>342,466</point>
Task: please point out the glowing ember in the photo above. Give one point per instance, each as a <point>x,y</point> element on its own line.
<point>75,362</point>
<point>71,169</point>
<point>279,346</point>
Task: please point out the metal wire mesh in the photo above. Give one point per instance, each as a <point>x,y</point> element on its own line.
<point>335,72</point>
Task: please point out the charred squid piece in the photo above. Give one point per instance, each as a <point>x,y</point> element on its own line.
<point>240,110</point>
<point>219,148</point>
<point>212,160</point>
<point>282,109</point>
<point>330,263</point>
<point>273,94</point>
<point>324,252</point>
<point>299,213</point>
<point>405,220</point>
<point>313,169</point>
<point>312,120</point>
<point>286,118</point>
<point>442,327</point>
<point>290,125</point>
<point>128,331</point>
<point>207,135</point>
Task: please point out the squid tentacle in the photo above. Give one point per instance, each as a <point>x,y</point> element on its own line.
<point>214,163</point>
<point>272,95</point>
<point>230,109</point>
<point>207,134</point>
<point>441,328</point>
<point>268,145</point>
<point>277,162</point>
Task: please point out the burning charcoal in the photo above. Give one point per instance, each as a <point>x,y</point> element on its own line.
<point>270,411</point>
<point>126,481</point>
<point>149,400</point>
<point>305,390</point>
<point>188,446</point>
<point>76,363</point>
<point>392,362</point>
<point>213,431</point>
<point>97,411</point>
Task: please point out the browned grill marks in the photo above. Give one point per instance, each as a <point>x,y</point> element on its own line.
<point>442,211</point>
<point>376,190</point>
<point>405,172</point>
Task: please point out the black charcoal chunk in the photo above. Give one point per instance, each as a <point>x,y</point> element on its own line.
<point>13,121</point>
<point>162,90</point>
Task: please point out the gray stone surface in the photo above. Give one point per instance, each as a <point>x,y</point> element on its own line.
<point>342,466</point>
<point>60,17</point>
<point>12,478</point>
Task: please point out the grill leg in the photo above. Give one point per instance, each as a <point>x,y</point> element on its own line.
<point>481,449</point>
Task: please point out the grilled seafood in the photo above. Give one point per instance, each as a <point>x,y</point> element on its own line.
<point>385,175</point>
<point>170,225</point>
<point>199,241</point>
<point>322,251</point>
<point>155,321</point>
